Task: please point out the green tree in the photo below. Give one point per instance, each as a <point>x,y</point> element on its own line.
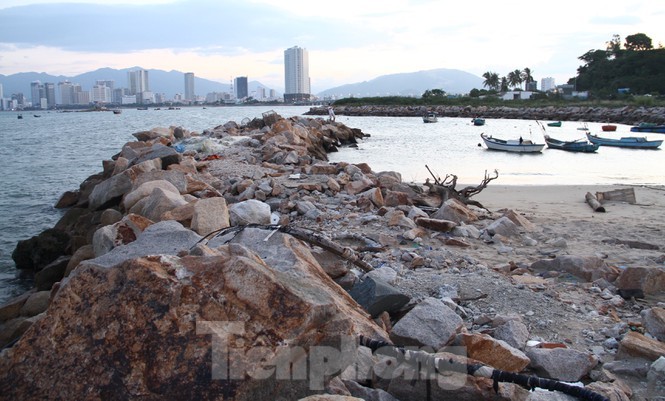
<point>504,84</point>
<point>638,41</point>
<point>434,94</point>
<point>515,78</point>
<point>614,46</point>
<point>491,80</point>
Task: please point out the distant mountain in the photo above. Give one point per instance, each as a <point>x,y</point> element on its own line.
<point>410,84</point>
<point>167,82</point>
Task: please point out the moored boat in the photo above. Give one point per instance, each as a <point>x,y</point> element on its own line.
<point>625,142</point>
<point>430,117</point>
<point>580,145</point>
<point>554,124</point>
<point>116,111</point>
<point>609,127</point>
<point>649,127</point>
<point>478,121</point>
<point>512,145</point>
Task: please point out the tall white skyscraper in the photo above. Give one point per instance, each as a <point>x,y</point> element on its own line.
<point>296,75</point>
<point>189,86</point>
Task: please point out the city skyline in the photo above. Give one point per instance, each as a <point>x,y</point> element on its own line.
<point>348,42</point>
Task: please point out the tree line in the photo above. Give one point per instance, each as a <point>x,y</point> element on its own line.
<point>633,66</point>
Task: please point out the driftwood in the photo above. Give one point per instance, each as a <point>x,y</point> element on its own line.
<point>429,365</point>
<point>620,195</point>
<point>593,202</point>
<point>446,188</point>
<point>308,236</point>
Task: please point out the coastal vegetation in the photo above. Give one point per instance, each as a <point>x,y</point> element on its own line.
<point>631,73</point>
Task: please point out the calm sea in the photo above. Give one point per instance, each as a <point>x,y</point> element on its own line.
<point>53,153</point>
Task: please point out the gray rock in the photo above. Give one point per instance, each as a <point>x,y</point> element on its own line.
<point>589,268</point>
<point>503,226</point>
<point>653,321</point>
<point>656,379</point>
<point>561,363</point>
<point>430,323</point>
<point>164,238</point>
<point>514,332</point>
<point>377,296</point>
<point>36,303</point>
<point>368,394</point>
<point>249,212</point>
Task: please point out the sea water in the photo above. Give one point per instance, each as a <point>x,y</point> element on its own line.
<point>47,155</point>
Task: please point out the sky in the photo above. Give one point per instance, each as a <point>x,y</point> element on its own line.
<point>348,41</point>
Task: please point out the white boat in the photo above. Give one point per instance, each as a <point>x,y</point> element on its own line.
<point>430,117</point>
<point>512,145</point>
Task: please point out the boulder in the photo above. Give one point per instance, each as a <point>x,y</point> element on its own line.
<point>210,215</point>
<point>561,363</point>
<point>588,268</point>
<point>653,321</point>
<point>495,353</point>
<point>110,191</point>
<point>157,203</point>
<point>164,238</point>
<point>647,279</point>
<point>250,211</point>
<point>377,296</point>
<point>145,190</point>
<point>636,345</point>
<point>503,226</point>
<point>40,250</point>
<point>164,335</point>
<point>455,211</point>
<point>430,323</point>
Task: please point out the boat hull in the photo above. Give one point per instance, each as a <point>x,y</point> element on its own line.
<point>658,129</point>
<point>478,121</point>
<point>554,124</point>
<point>609,128</point>
<point>571,146</point>
<point>625,142</point>
<point>513,146</point>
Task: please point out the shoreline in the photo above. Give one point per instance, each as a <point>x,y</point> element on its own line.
<point>137,221</point>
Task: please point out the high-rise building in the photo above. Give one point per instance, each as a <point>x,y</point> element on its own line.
<point>36,93</point>
<point>100,94</point>
<point>242,90</point>
<point>138,82</point>
<point>66,90</point>
<point>296,75</point>
<point>49,92</point>
<point>108,83</point>
<point>547,84</point>
<point>189,86</point>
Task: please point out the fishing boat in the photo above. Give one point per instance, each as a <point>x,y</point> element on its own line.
<point>649,127</point>
<point>20,116</point>
<point>579,145</point>
<point>117,111</point>
<point>512,145</point>
<point>625,142</point>
<point>478,121</point>
<point>430,117</point>
<point>554,124</point>
<point>609,127</point>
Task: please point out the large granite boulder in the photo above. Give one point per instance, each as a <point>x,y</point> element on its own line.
<point>225,326</point>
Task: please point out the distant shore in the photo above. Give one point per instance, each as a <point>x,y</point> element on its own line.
<point>623,115</point>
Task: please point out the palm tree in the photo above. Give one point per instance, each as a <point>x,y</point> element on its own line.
<point>504,84</point>
<point>491,80</point>
<point>526,77</point>
<point>515,78</point>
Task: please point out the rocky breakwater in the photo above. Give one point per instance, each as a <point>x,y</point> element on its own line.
<point>171,276</point>
<point>620,115</point>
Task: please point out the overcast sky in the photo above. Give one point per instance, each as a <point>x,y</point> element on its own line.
<point>348,41</point>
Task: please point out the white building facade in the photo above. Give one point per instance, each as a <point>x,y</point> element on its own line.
<point>296,75</point>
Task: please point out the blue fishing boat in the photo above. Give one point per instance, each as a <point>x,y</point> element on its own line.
<point>579,145</point>
<point>554,124</point>
<point>625,142</point>
<point>478,121</point>
<point>648,127</point>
